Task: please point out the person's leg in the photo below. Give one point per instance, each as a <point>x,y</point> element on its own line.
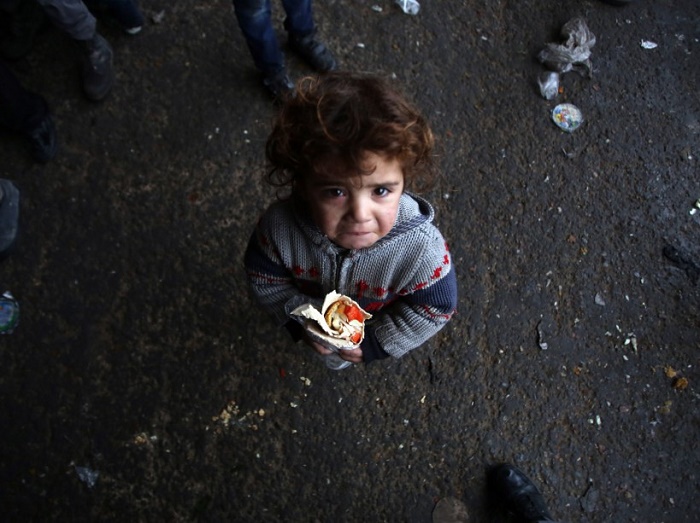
<point>255,20</point>
<point>125,12</point>
<point>26,113</point>
<point>299,23</point>
<point>299,20</point>
<point>73,17</point>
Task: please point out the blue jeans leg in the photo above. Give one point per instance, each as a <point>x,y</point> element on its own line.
<point>255,20</point>
<point>126,12</point>
<point>20,109</point>
<point>71,16</point>
<point>299,21</point>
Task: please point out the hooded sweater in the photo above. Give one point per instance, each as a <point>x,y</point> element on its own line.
<point>405,279</point>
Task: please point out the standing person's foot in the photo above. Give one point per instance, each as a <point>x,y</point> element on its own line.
<point>278,83</point>
<point>514,491</point>
<point>315,53</point>
<point>9,215</point>
<point>98,74</point>
<point>42,140</point>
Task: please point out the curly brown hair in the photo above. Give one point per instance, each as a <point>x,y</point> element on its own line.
<point>334,119</point>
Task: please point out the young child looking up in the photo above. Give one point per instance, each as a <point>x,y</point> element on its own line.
<point>349,145</point>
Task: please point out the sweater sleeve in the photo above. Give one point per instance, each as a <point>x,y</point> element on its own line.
<point>413,320</point>
<point>420,310</point>
<point>271,282</point>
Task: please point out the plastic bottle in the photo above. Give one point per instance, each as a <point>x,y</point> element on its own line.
<point>410,7</point>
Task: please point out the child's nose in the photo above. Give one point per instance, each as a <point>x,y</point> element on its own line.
<point>360,209</point>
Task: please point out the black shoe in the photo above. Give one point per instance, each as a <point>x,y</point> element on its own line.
<point>43,140</point>
<point>513,490</point>
<point>313,52</point>
<point>98,74</point>
<point>9,215</point>
<point>278,83</point>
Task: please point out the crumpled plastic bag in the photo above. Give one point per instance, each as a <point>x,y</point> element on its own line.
<point>572,55</point>
<point>87,475</point>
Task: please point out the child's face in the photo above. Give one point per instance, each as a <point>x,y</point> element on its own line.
<point>356,212</point>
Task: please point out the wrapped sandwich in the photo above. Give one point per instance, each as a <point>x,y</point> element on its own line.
<point>339,324</point>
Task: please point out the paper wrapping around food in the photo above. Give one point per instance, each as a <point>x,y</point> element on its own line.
<point>318,328</point>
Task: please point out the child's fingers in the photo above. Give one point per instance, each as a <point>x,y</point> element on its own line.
<point>352,355</point>
<point>320,348</point>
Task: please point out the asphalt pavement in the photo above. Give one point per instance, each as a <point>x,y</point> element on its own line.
<point>143,384</point>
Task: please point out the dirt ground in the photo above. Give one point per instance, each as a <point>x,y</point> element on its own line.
<point>142,383</point>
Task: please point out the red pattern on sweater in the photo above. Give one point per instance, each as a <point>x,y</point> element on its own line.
<point>430,313</point>
<point>361,288</point>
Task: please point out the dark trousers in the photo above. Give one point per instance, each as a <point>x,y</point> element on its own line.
<point>255,20</point>
<point>20,109</point>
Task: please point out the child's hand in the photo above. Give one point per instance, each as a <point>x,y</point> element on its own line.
<point>317,346</point>
<point>351,355</point>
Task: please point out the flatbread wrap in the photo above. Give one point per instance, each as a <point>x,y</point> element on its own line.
<point>340,323</point>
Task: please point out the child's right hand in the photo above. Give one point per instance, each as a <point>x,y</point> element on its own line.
<point>353,356</point>
<point>318,347</point>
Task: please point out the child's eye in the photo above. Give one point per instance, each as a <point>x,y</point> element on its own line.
<point>334,192</point>
<point>381,191</point>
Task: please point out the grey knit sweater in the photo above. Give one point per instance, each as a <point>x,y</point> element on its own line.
<point>405,280</point>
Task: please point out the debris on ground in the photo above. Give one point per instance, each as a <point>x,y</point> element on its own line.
<point>572,55</point>
<point>678,381</point>
<point>540,337</point>
<point>410,7</point>
<point>567,117</point>
<point>87,475</point>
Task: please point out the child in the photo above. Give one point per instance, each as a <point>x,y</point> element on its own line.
<point>348,145</point>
